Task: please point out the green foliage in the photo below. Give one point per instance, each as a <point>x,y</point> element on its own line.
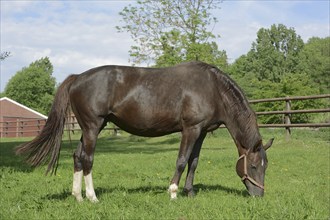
<point>291,85</point>
<point>131,180</point>
<point>279,65</point>
<point>4,55</point>
<point>33,86</point>
<point>273,55</point>
<point>206,52</point>
<point>171,51</point>
<point>168,32</point>
<point>315,61</point>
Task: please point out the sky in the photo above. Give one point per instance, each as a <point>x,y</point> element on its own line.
<point>79,35</point>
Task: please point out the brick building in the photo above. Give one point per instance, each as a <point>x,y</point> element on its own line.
<point>17,120</point>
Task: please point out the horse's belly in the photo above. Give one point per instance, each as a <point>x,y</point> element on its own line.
<point>144,124</point>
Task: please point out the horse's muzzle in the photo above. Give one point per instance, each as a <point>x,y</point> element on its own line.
<point>253,189</point>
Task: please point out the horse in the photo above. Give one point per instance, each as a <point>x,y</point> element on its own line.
<point>193,98</point>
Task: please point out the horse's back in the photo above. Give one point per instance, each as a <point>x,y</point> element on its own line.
<point>147,101</point>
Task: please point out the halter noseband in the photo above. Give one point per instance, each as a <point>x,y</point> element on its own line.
<point>246,175</point>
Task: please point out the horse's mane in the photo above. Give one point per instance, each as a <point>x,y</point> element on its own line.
<point>244,117</point>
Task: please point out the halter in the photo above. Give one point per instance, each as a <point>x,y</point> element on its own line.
<point>246,175</point>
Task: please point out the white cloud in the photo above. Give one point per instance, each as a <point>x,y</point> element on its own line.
<point>309,30</point>
<point>78,35</point>
<point>74,41</point>
<point>239,21</point>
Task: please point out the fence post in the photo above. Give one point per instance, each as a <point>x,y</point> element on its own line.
<point>71,125</point>
<point>17,127</point>
<point>21,128</point>
<point>7,124</point>
<point>287,119</point>
<point>38,126</point>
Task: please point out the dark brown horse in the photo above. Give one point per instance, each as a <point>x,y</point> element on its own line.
<point>192,98</point>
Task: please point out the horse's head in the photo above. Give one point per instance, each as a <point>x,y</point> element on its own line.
<point>251,167</point>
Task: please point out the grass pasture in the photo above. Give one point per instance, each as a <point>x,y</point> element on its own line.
<point>132,174</point>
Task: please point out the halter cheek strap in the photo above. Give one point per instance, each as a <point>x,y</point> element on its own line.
<point>246,175</point>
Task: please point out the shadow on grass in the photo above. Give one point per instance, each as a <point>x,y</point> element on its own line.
<point>59,196</point>
<point>149,189</point>
<point>201,187</point>
<point>113,145</point>
<point>99,191</point>
<point>134,144</point>
<point>9,159</point>
<point>142,189</point>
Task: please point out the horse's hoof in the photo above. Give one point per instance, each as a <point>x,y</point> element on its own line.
<point>173,191</point>
<point>79,198</point>
<point>93,200</point>
<point>174,199</point>
<point>190,193</point>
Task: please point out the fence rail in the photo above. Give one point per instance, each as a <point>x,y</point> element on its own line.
<point>287,112</point>
<point>31,127</point>
<point>288,98</point>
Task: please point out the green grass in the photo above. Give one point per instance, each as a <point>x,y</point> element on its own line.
<point>132,174</point>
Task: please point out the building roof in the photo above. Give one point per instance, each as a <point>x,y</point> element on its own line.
<point>21,106</point>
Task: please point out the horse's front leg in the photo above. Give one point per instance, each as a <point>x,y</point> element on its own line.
<point>189,137</point>
<point>192,165</point>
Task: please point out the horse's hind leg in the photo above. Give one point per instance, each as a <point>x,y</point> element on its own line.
<point>78,173</point>
<point>83,162</point>
<point>89,142</point>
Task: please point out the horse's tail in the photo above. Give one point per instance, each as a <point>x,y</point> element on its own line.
<point>47,145</point>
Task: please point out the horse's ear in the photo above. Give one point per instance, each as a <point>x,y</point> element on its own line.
<point>257,147</point>
<point>269,144</point>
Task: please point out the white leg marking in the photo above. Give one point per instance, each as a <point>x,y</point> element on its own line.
<point>90,193</point>
<point>173,190</point>
<point>76,188</point>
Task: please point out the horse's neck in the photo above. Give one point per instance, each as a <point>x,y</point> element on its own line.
<point>245,132</point>
<point>237,114</point>
<point>244,129</point>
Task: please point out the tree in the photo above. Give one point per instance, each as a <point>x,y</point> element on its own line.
<point>4,55</point>
<point>275,52</point>
<point>271,69</point>
<point>33,86</point>
<point>314,60</point>
<point>167,32</point>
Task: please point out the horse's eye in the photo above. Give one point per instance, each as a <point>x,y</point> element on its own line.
<point>253,166</point>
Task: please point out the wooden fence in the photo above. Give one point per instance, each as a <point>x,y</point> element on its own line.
<point>288,112</point>
<point>21,128</point>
